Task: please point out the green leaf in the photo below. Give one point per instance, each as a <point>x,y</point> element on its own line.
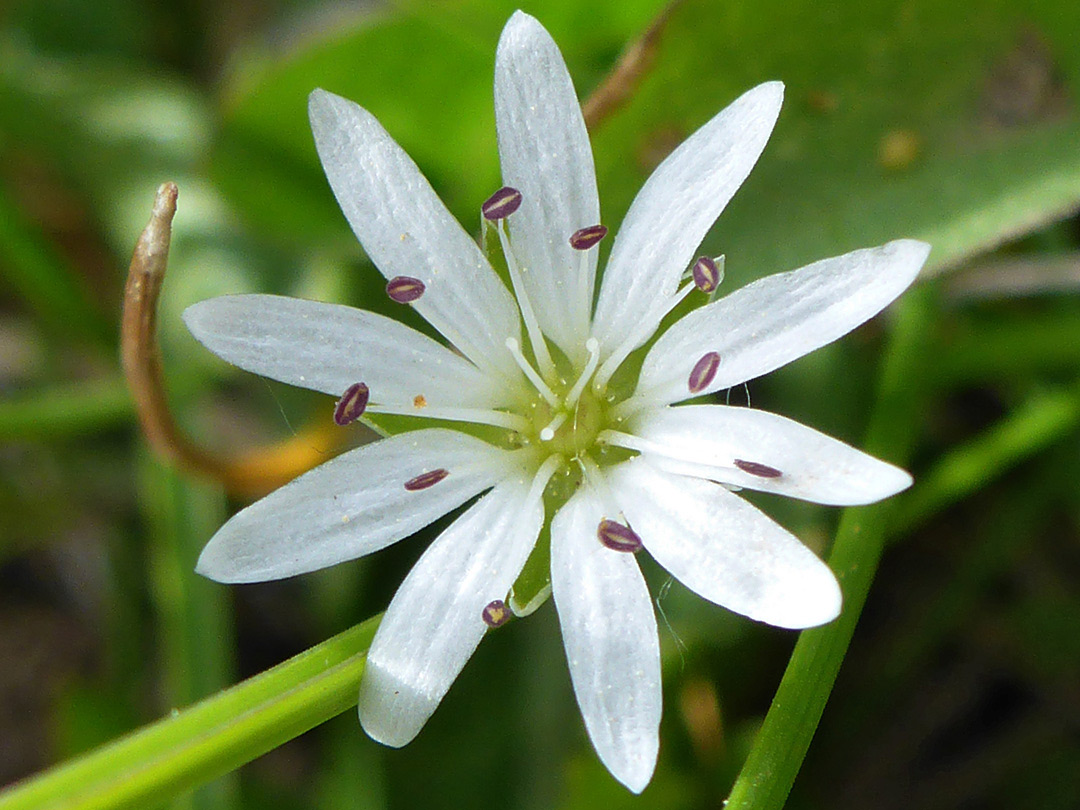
<point>425,70</point>
<point>211,738</point>
<point>971,164</point>
<point>899,120</point>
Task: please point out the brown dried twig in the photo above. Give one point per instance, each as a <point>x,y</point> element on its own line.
<point>625,78</point>
<point>251,473</point>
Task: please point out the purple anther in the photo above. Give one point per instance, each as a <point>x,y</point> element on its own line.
<point>351,405</point>
<point>496,613</point>
<point>404,289</point>
<point>425,480</point>
<point>618,537</point>
<point>755,468</point>
<point>501,204</point>
<point>703,372</point>
<point>588,237</point>
<point>706,274</point>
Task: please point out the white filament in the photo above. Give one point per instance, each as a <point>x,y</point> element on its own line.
<point>530,372</point>
<point>532,326</point>
<point>476,416</point>
<point>593,346</point>
<point>636,336</point>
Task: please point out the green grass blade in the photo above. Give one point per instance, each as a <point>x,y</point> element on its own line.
<point>34,270</point>
<point>773,763</point>
<point>1045,418</point>
<point>66,410</point>
<point>211,738</point>
<point>192,615</point>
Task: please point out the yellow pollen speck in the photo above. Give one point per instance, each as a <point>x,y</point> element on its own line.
<point>419,401</point>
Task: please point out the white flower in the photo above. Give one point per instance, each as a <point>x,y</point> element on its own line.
<point>537,413</point>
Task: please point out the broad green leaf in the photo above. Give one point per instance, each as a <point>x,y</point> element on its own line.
<point>426,71</point>
<point>899,120</point>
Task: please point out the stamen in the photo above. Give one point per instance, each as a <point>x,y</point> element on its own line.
<point>594,476</point>
<point>496,614</point>
<point>530,372</point>
<point>593,345</point>
<point>543,475</point>
<point>425,480</point>
<point>404,289</point>
<point>624,440</point>
<point>475,416</point>
<point>706,274</point>
<point>704,372</point>
<point>675,463</point>
<point>618,537</point>
<point>659,455</point>
<point>588,237</point>
<point>586,278</point>
<point>758,469</point>
<point>629,406</point>
<point>532,326</point>
<point>548,433</point>
<point>352,404</point>
<point>501,204</point>
<point>637,336</point>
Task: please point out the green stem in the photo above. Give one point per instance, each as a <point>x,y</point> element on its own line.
<point>209,739</point>
<point>778,751</point>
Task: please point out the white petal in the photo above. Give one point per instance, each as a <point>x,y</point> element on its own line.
<point>351,506</point>
<point>778,318</point>
<point>675,209</point>
<point>814,467</point>
<point>407,231</point>
<point>328,347</point>
<point>545,154</point>
<point>609,631</point>
<point>434,621</point>
<point>724,549</point>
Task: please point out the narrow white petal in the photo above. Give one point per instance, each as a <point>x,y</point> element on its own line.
<point>407,231</point>
<point>328,347</point>
<point>814,467</point>
<point>675,209</point>
<point>434,621</point>
<point>609,631</point>
<point>351,506</point>
<point>778,318</point>
<point>545,154</point>
<point>724,549</point>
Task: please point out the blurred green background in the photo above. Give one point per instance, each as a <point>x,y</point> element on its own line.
<point>955,123</point>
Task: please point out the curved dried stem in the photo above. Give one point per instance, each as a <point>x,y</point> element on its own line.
<point>251,473</point>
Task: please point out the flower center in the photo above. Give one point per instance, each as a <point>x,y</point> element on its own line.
<point>570,431</point>
<point>564,419</point>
